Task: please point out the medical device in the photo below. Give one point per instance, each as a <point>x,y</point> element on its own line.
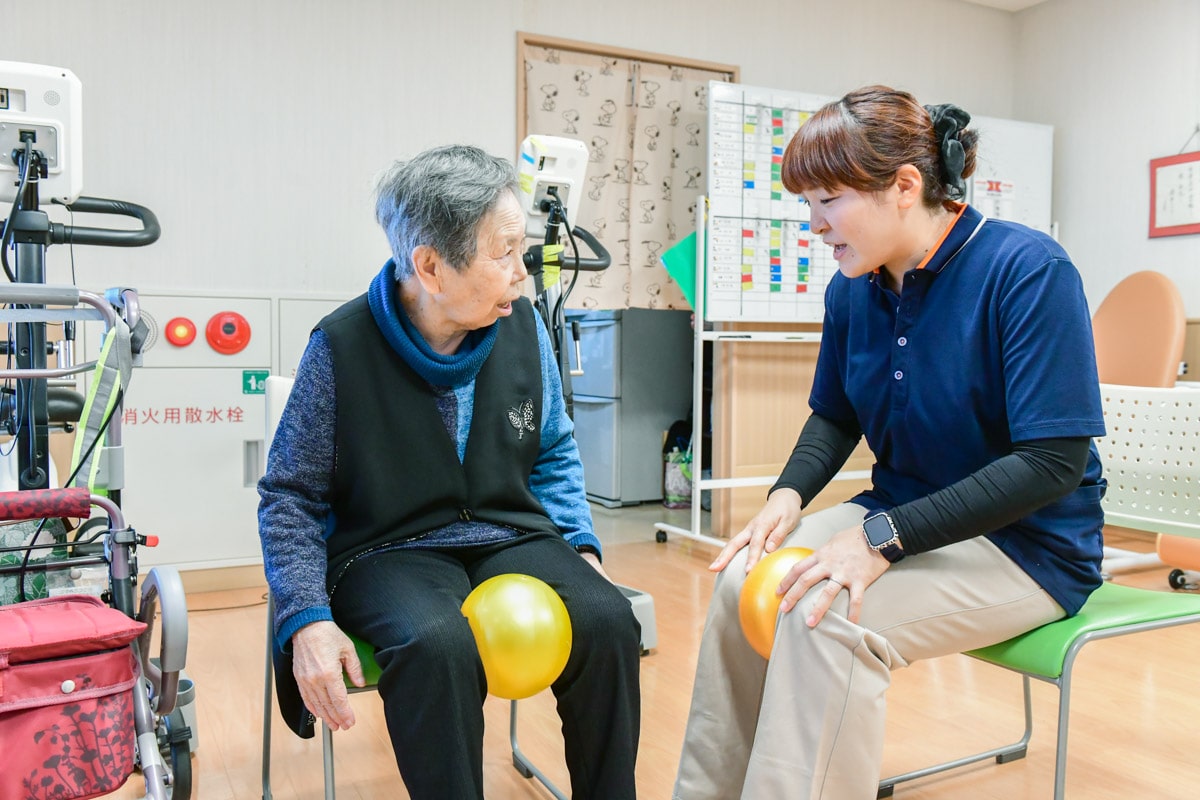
<point>551,172</point>
<point>42,105</point>
<point>550,167</point>
<point>40,147</point>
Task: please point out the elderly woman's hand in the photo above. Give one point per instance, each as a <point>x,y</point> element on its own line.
<point>847,562</point>
<point>594,560</point>
<point>763,534</point>
<point>320,651</point>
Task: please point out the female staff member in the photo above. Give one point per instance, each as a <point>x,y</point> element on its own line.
<point>961,348</point>
<point>425,447</point>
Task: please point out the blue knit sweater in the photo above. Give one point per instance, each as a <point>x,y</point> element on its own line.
<point>294,515</point>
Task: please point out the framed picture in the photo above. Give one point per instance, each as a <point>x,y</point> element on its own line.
<point>1175,195</point>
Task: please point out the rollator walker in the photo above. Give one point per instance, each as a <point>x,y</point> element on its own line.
<point>77,625</point>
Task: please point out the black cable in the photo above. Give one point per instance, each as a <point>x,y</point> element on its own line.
<point>82,460</point>
<point>554,320</point>
<point>558,314</point>
<point>28,412</point>
<point>237,607</point>
<point>1195,131</point>
<point>23,166</point>
<point>71,241</point>
<point>8,387</point>
<point>560,304</point>
<point>21,598</point>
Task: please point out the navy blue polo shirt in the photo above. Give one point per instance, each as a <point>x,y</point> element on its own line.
<point>989,344</point>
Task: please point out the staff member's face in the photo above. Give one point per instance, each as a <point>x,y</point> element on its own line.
<point>862,228</point>
<point>486,289</point>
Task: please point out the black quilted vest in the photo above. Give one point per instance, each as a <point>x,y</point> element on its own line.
<point>397,473</point>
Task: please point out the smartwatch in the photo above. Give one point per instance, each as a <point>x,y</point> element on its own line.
<point>882,535</point>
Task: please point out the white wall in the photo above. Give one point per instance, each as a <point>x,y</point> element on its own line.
<point>1120,82</point>
<point>254,128</point>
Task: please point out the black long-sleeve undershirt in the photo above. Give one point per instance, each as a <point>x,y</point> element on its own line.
<point>1034,474</point>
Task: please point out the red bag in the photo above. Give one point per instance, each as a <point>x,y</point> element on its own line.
<point>66,700</point>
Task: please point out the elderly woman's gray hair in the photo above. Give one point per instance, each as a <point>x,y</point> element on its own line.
<point>438,198</point>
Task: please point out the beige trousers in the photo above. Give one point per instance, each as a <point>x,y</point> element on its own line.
<point>809,722</point>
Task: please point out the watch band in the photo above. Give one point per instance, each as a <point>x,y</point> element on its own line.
<point>892,552</point>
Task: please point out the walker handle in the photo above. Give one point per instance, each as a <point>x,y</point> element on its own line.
<point>37,503</point>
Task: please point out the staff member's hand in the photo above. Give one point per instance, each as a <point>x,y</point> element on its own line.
<point>763,534</point>
<point>847,562</point>
<point>320,651</point>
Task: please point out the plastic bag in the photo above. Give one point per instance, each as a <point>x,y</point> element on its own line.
<point>677,478</point>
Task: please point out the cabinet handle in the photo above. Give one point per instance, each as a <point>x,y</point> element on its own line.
<point>578,354</point>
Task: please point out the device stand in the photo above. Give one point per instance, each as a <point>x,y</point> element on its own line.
<point>699,483</point>
<point>31,233</point>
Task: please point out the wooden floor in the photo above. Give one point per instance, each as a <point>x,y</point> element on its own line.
<point>1135,725</point>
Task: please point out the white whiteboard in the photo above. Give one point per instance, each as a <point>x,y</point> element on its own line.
<point>762,264</point>
<point>1014,169</point>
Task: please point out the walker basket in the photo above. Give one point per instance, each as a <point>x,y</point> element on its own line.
<point>67,674</point>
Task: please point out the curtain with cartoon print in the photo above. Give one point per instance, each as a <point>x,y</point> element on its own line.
<point>644,124</point>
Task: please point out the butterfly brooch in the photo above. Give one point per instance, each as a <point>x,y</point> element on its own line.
<point>521,418</point>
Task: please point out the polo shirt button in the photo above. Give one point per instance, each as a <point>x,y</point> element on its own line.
<point>898,375</point>
<point>903,340</point>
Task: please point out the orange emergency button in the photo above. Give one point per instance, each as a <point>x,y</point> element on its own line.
<point>228,332</point>
<point>181,331</point>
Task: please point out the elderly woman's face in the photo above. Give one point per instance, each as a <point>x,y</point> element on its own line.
<point>485,291</point>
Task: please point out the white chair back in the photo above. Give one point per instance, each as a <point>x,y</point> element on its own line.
<point>278,389</point>
<point>1151,458</point>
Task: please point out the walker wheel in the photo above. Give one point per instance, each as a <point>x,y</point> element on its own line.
<point>660,536</point>
<point>1177,579</point>
<point>177,752</point>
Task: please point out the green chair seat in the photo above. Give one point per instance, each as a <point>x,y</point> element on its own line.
<point>370,667</point>
<point>1042,651</point>
<point>1149,457</point>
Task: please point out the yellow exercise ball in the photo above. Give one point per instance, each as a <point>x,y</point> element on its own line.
<point>522,631</point>
<point>758,605</point>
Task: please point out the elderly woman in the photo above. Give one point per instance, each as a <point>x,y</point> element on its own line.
<point>424,449</point>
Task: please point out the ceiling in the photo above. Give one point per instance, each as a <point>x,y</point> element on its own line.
<point>1007,5</point>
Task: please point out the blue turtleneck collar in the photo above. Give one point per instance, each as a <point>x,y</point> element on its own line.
<point>440,370</point>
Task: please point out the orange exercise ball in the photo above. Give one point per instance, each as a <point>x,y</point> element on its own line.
<point>758,605</point>
<point>522,631</point>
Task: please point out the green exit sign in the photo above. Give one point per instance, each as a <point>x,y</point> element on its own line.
<point>254,381</point>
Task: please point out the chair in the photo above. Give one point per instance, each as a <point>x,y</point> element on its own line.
<point>371,673</point>
<point>277,390</point>
<point>1139,331</point>
<point>1158,492</point>
<point>1150,456</point>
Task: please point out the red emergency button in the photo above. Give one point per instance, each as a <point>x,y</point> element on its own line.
<point>228,332</point>
<point>181,331</point>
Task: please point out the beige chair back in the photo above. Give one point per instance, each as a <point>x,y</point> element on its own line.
<point>1139,331</point>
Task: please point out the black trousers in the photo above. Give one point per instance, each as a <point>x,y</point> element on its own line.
<point>407,604</point>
